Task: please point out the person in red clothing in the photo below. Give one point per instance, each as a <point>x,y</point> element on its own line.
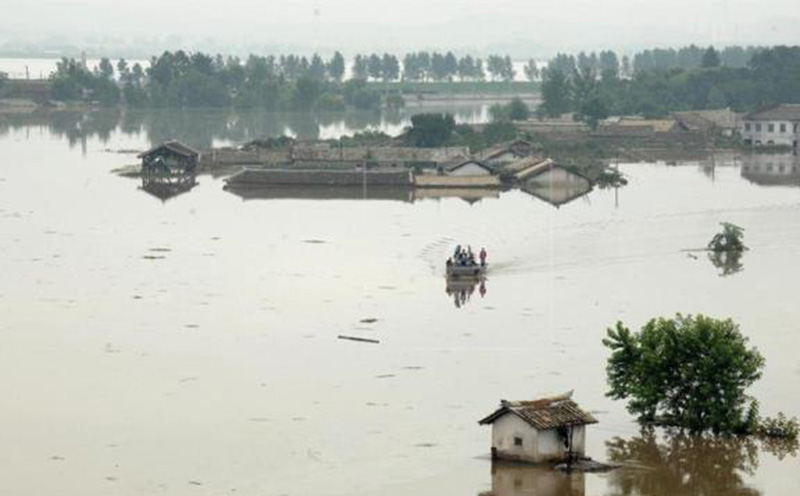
<point>483,256</point>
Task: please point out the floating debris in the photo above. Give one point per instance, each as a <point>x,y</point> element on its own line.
<point>370,320</point>
<point>314,241</point>
<point>362,340</point>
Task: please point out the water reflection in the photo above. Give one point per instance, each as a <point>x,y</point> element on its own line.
<point>728,262</point>
<point>557,187</point>
<point>305,192</point>
<point>510,479</point>
<point>462,289</point>
<point>768,169</point>
<point>680,464</point>
<point>167,186</point>
<point>203,128</point>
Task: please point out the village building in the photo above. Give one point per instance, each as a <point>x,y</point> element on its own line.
<point>777,126</point>
<point>722,121</point>
<point>169,157</point>
<point>507,152</point>
<point>547,430</point>
<point>468,167</point>
<point>636,127</point>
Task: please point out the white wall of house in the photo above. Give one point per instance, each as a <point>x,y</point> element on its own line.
<point>470,169</point>
<point>515,439</point>
<point>505,432</point>
<point>763,133</point>
<point>551,446</point>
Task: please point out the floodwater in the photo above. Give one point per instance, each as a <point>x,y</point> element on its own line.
<point>191,346</point>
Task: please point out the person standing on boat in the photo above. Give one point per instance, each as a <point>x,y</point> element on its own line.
<point>483,256</point>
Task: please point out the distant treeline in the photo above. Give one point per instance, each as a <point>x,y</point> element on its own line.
<point>593,92</point>
<point>435,66</point>
<point>178,79</point>
<point>688,57</point>
<point>290,83</point>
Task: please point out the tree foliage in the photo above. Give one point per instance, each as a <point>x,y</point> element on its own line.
<point>688,371</point>
<point>659,87</point>
<point>730,239</point>
<point>515,110</point>
<point>431,130</point>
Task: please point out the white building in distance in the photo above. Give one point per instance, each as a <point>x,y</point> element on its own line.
<point>777,126</point>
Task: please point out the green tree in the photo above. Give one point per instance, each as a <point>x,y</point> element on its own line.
<point>710,58</point>
<point>317,69</point>
<point>688,371</point>
<point>531,70</point>
<point>430,130</point>
<point>105,69</point>
<point>336,67</point>
<point>730,239</point>
<point>360,68</point>
<point>594,109</point>
<point>390,67</point>
<point>375,66</point>
<point>556,94</point>
<point>518,110</point>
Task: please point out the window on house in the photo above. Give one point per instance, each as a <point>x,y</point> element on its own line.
<point>517,441</point>
<point>747,126</point>
<point>758,127</point>
<point>771,128</point>
<point>783,128</point>
<point>795,127</point>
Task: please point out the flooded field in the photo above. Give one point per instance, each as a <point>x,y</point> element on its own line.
<point>191,345</point>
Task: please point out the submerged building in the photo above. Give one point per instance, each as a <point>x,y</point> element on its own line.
<point>777,126</point>
<point>547,430</point>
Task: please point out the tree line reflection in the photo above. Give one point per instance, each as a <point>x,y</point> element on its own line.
<point>668,463</point>
<point>203,128</point>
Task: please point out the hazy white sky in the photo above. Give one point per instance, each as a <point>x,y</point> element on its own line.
<point>544,26</point>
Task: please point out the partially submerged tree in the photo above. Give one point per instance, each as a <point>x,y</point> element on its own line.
<point>688,371</point>
<point>430,130</point>
<point>729,240</point>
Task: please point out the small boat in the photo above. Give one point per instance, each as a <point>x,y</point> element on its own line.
<point>476,270</point>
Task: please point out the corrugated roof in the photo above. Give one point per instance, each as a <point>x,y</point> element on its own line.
<point>174,146</point>
<point>545,413</point>
<point>784,112</point>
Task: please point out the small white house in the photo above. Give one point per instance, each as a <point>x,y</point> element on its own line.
<point>547,430</point>
<point>779,125</point>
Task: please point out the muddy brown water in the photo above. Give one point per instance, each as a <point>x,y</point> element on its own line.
<point>190,346</point>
